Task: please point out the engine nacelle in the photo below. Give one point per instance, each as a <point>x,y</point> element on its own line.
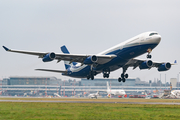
<point>164,67</point>
<point>90,60</point>
<point>146,64</point>
<point>49,57</point>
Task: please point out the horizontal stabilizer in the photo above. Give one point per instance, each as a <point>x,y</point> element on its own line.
<point>58,71</point>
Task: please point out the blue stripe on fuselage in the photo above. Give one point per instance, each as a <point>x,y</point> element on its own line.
<point>122,58</point>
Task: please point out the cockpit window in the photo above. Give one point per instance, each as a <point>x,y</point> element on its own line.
<point>153,34</point>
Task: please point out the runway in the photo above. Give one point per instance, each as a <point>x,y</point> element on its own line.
<point>102,102</point>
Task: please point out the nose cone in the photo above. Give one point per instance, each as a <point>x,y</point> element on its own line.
<point>156,39</point>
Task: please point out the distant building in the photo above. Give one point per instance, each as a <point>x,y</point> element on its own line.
<point>31,80</point>
<point>173,82</point>
<point>103,82</point>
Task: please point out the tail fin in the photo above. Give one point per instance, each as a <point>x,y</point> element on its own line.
<point>109,95</point>
<point>64,49</point>
<point>97,93</point>
<point>66,63</point>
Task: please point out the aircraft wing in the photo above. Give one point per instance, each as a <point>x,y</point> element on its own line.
<point>101,59</point>
<point>58,71</point>
<point>137,62</point>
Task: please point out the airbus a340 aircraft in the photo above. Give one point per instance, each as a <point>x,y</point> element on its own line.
<point>119,56</point>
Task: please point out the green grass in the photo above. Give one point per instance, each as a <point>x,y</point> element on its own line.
<point>16,111</point>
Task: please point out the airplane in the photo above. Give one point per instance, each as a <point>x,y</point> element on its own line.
<point>176,93</point>
<point>114,92</point>
<point>93,95</point>
<point>120,56</point>
<point>57,95</point>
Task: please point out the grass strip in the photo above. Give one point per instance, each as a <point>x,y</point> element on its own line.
<point>16,111</point>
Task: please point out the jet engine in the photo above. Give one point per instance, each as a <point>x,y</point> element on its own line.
<point>90,60</point>
<point>164,67</point>
<point>49,57</point>
<point>146,64</point>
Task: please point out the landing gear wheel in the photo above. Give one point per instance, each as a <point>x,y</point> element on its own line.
<point>123,79</point>
<point>92,77</point>
<point>126,76</point>
<point>88,77</point>
<point>106,75</point>
<point>119,79</point>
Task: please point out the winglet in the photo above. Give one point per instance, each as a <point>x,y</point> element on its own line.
<point>7,49</point>
<point>175,62</point>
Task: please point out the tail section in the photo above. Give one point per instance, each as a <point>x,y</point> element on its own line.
<point>64,50</point>
<point>67,63</point>
<point>97,93</point>
<point>109,95</point>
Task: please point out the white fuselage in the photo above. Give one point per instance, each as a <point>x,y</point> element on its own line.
<point>94,95</point>
<point>175,92</point>
<point>140,40</point>
<point>116,92</point>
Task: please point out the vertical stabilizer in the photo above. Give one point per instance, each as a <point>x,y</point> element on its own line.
<point>64,49</point>
<point>97,93</point>
<point>109,95</point>
<point>67,63</point>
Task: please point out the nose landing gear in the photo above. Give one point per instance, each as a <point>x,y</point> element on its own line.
<point>149,51</point>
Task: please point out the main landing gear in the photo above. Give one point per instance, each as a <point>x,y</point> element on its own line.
<point>106,73</point>
<point>149,51</point>
<point>123,75</point>
<point>91,75</point>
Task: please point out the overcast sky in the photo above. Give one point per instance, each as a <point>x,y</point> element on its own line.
<point>85,27</point>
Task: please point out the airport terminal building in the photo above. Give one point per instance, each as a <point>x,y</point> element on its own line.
<point>44,86</point>
<point>103,82</point>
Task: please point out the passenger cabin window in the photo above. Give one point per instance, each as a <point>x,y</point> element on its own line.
<point>153,34</point>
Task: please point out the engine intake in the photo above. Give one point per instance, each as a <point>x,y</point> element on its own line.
<point>164,67</point>
<point>90,60</point>
<point>49,57</point>
<point>146,64</point>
